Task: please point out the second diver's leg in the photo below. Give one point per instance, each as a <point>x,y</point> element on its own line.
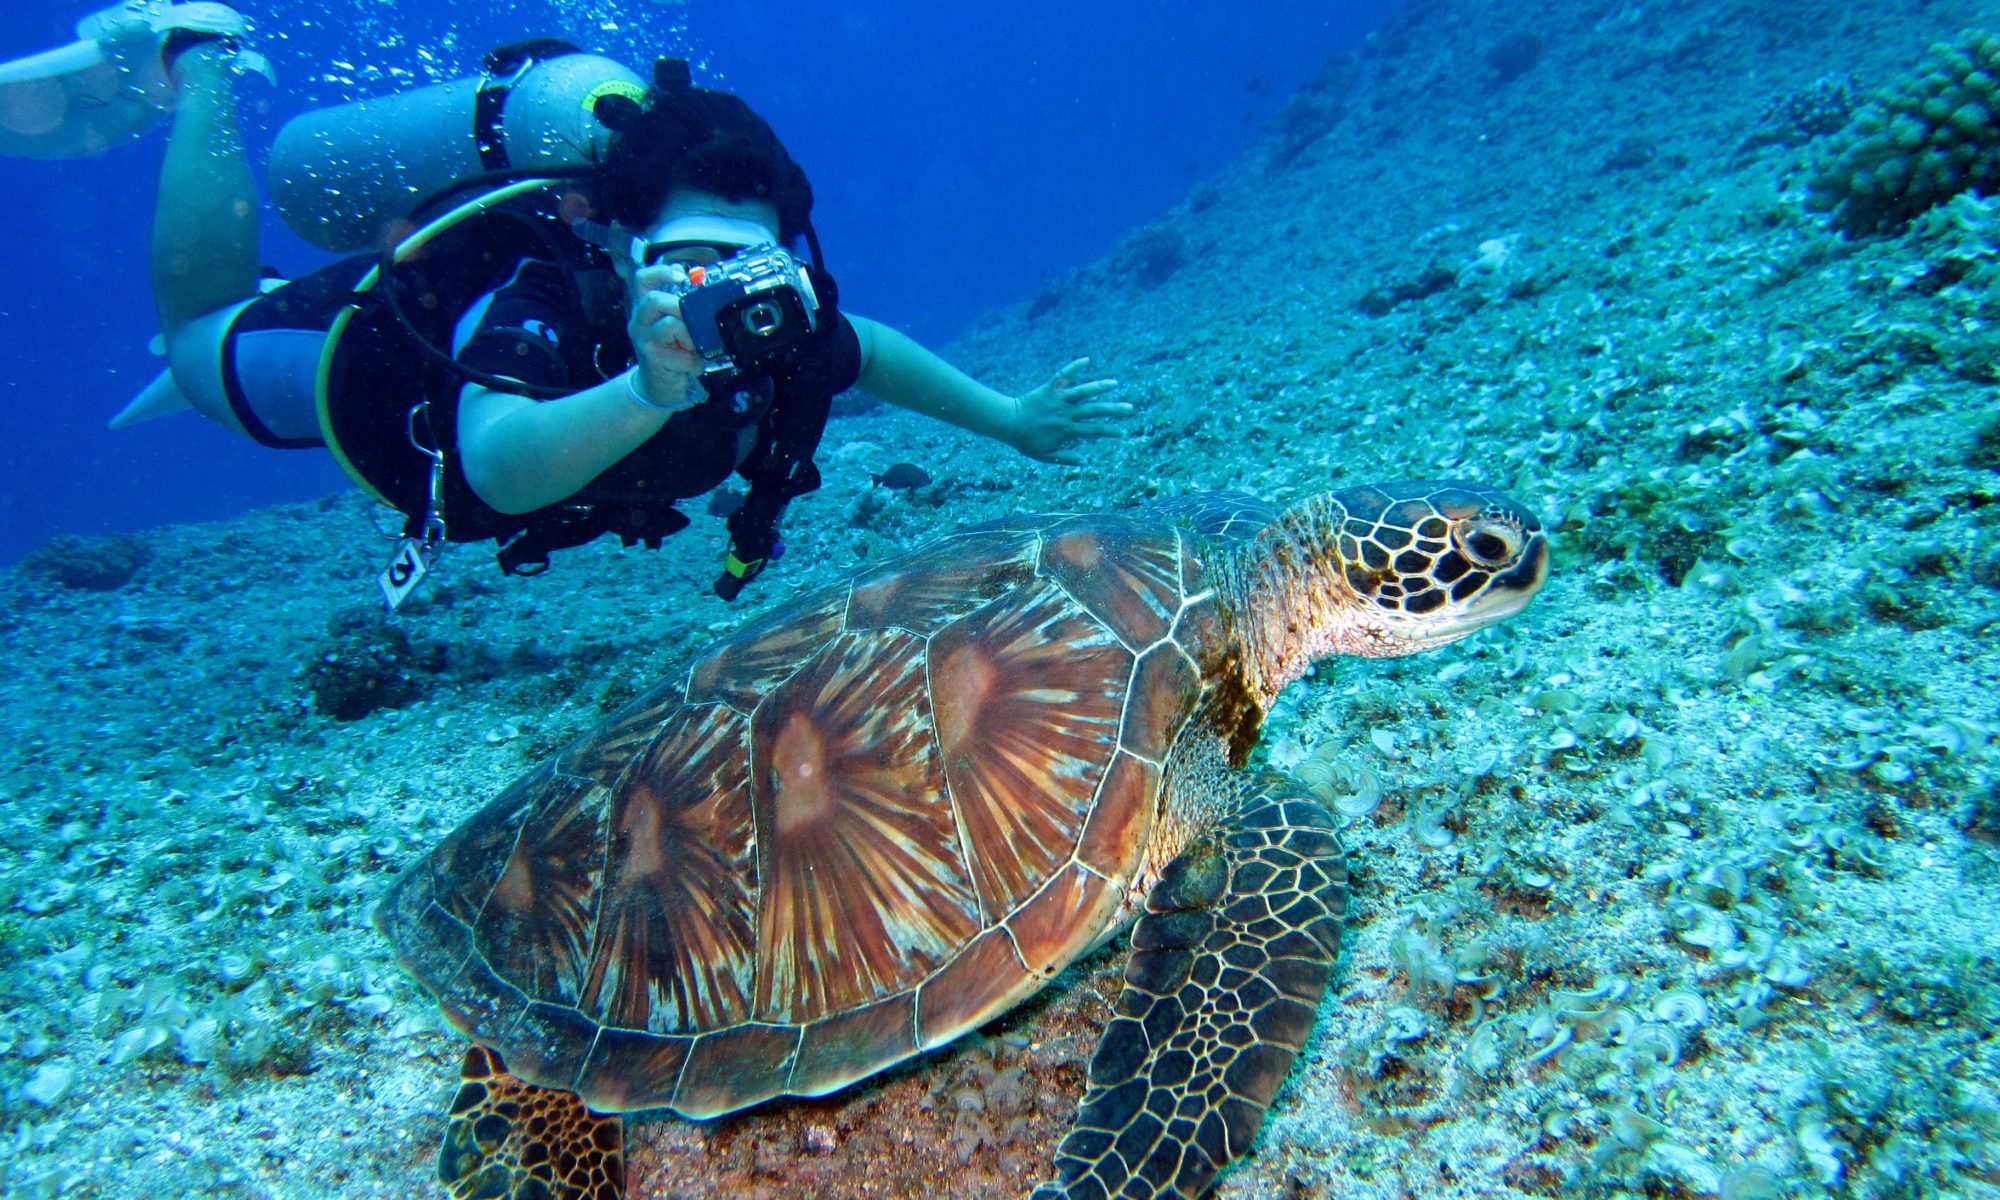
<point>205,250</point>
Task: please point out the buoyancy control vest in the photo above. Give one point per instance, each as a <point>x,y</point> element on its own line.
<point>387,388</point>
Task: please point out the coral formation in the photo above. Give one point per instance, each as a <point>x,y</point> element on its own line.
<point>1154,254</point>
<point>1821,107</point>
<point>1515,55</point>
<point>1381,299</point>
<point>366,663</point>
<point>89,564</point>
<point>1305,119</point>
<point>1918,144</point>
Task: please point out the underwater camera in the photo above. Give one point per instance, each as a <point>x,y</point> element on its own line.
<point>749,312</point>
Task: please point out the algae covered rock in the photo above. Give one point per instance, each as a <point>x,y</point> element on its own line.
<point>89,564</point>
<point>366,663</point>
<point>1918,144</point>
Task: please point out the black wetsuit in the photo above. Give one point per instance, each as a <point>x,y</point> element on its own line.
<point>386,393</point>
<point>537,331</point>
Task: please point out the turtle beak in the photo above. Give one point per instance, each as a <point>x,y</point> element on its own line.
<point>1510,590</point>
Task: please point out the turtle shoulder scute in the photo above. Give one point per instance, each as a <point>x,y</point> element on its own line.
<point>741,668</point>
<point>1127,570</point>
<point>1220,516</point>
<point>937,583</point>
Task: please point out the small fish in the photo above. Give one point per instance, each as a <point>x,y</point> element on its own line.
<point>724,500</point>
<point>902,477</point>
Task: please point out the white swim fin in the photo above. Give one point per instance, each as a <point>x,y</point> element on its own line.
<point>108,86</point>
<point>156,399</point>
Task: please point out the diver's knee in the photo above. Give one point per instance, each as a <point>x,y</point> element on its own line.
<point>194,358</point>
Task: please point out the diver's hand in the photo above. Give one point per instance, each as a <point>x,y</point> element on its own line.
<point>669,369</point>
<point>1060,413</point>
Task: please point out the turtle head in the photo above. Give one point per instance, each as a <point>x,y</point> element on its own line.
<point>1381,571</point>
<point>1428,562</point>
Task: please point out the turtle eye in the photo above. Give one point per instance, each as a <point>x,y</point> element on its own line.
<point>1488,542</point>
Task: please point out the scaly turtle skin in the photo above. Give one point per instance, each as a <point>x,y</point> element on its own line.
<point>889,812</point>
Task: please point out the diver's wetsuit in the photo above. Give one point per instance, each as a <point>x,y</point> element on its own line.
<point>536,329</point>
<point>546,325</point>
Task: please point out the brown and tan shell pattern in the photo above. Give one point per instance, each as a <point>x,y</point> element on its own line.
<point>846,835</point>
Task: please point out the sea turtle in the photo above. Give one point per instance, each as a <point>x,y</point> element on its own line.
<point>891,810</point>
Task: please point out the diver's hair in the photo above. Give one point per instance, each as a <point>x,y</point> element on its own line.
<point>690,137</point>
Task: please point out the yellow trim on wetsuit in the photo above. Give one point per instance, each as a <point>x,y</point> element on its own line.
<point>404,249</point>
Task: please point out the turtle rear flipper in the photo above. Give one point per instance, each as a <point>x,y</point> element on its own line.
<point>510,1140</point>
<point>1225,976</point>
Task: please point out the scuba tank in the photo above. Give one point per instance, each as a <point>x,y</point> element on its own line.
<point>345,178</point>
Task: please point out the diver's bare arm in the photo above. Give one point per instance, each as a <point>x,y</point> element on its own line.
<point>895,368</point>
<point>520,454</point>
<point>1045,423</point>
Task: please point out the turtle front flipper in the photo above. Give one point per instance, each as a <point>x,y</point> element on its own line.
<point>1226,973</point>
<point>510,1140</point>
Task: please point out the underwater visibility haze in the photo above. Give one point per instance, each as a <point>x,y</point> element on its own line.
<point>960,154</point>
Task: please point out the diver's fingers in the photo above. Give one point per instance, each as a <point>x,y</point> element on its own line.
<point>1087,395</point>
<point>1062,375</point>
<point>661,275</point>
<point>1099,412</point>
<point>666,335</point>
<point>655,306</point>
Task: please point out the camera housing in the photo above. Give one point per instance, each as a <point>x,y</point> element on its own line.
<point>750,312</point>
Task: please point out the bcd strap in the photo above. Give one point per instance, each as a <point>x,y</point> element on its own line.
<point>489,108</point>
<point>661,526</point>
<point>507,59</point>
<point>574,524</point>
<point>672,75</point>
<point>552,529</point>
<point>753,527</point>
<point>504,66</point>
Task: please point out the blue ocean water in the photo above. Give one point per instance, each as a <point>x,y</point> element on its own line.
<point>960,154</point>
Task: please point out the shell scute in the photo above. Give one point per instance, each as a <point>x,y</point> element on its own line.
<point>469,860</point>
<point>921,592</point>
<point>1029,694</point>
<point>675,926</point>
<point>550,1043</point>
<point>608,751</point>
<point>1221,516</point>
<point>853,1045</point>
<point>629,1072</point>
<point>1125,572</point>
<point>1165,684</point>
<point>430,942</point>
<point>863,889</point>
<point>984,980</point>
<point>1045,928</point>
<point>741,670</point>
<point>535,926</point>
<point>1114,839</point>
<point>731,1068</point>
<point>485,1008</point>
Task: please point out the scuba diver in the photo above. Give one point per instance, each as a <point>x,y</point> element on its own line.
<point>584,297</point>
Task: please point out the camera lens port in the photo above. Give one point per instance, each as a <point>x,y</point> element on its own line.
<point>763,318</point>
